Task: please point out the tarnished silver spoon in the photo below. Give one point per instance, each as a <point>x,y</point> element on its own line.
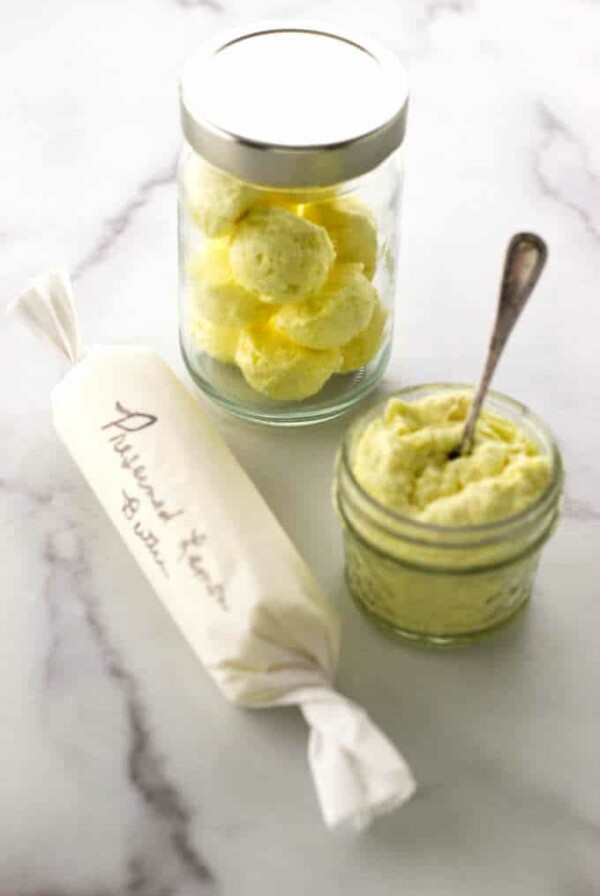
<point>525,259</point>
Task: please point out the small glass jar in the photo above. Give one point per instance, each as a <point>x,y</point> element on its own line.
<point>442,586</point>
<point>289,199</point>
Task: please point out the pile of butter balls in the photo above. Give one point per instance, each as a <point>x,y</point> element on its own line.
<point>282,285</point>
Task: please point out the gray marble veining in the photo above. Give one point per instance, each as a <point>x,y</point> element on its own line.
<point>116,226</point>
<point>564,172</point>
<point>122,771</point>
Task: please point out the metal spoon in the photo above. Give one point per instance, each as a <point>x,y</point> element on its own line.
<point>525,259</point>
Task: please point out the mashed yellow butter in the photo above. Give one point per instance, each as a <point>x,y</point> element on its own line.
<point>280,255</point>
<point>352,228</point>
<point>276,367</point>
<point>402,460</point>
<point>334,315</point>
<point>215,296</point>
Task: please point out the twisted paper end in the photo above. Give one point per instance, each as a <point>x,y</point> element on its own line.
<point>357,771</point>
<point>47,308</point>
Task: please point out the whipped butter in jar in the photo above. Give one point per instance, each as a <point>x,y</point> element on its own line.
<point>289,186</point>
<point>441,550</point>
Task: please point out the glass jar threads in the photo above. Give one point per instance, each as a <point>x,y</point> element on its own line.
<point>442,551</point>
<point>290,185</point>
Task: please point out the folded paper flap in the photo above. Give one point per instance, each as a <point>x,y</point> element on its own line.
<point>47,308</point>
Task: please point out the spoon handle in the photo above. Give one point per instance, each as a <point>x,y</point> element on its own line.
<point>525,259</point>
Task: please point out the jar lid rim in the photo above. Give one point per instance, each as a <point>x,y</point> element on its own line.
<point>293,104</point>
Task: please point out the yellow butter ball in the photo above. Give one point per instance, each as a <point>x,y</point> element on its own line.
<point>215,296</point>
<point>214,199</point>
<point>280,369</point>
<point>363,348</point>
<point>332,316</point>
<point>352,228</point>
<point>280,255</point>
<point>219,342</point>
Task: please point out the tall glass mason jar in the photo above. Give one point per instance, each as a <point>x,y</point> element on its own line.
<point>289,199</point>
<point>443,586</point>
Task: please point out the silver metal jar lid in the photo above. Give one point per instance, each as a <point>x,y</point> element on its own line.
<point>293,104</point>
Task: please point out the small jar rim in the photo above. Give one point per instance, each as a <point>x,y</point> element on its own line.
<point>552,490</point>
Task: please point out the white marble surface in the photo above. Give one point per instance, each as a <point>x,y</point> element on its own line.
<point>122,770</point>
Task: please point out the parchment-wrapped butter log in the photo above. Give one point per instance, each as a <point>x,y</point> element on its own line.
<point>215,555</point>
